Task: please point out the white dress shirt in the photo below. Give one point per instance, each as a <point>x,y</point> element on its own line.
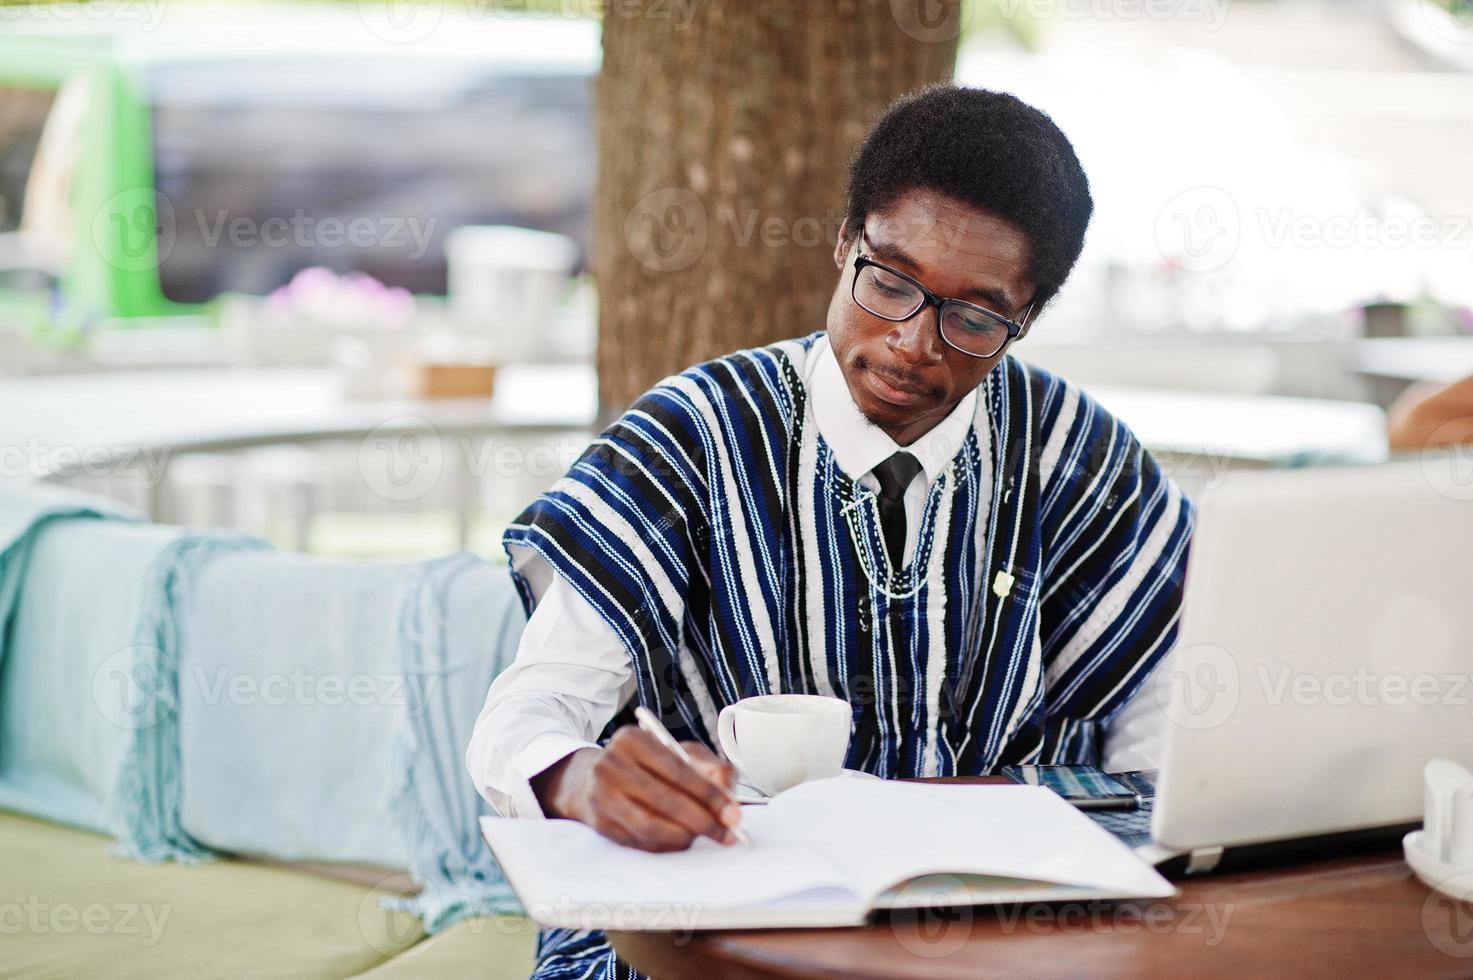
<point>572,674</point>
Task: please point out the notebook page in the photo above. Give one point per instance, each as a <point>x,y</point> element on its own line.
<point>561,867</point>
<point>883,833</point>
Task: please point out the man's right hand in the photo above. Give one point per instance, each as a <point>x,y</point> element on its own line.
<point>640,794</point>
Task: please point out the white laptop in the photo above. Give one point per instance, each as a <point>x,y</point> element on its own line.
<point>1325,654</point>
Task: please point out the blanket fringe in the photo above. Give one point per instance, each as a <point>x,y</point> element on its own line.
<point>144,807</point>
<point>437,812</point>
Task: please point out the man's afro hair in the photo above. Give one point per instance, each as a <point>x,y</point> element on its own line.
<point>990,150</point>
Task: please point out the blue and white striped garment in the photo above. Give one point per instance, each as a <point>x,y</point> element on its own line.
<point>711,527</point>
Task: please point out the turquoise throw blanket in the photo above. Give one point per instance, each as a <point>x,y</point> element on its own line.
<point>338,698</point>
<point>88,645</point>
<point>58,754</point>
<point>193,693</point>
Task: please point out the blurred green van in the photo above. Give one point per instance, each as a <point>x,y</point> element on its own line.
<point>156,155</point>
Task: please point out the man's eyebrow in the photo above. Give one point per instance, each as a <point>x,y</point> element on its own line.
<point>994,299</point>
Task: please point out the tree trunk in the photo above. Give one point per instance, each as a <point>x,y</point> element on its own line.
<point>725,128</point>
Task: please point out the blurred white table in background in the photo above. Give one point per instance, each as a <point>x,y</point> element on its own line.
<point>1200,436</point>
<point>1437,359</point>
<point>50,424</point>
<point>194,409</point>
<point>220,410</point>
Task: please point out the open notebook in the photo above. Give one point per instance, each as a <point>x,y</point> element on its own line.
<point>826,853</point>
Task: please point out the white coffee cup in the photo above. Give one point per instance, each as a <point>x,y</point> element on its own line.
<point>780,740</point>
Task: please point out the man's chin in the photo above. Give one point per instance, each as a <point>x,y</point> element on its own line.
<point>891,419</point>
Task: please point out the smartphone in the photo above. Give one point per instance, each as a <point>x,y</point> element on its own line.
<point>1087,787</point>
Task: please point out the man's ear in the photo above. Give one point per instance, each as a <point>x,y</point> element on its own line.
<point>841,247</point>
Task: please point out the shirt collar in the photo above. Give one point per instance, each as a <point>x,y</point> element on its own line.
<point>858,444</point>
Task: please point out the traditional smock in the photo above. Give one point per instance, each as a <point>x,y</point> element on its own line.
<point>712,529</point>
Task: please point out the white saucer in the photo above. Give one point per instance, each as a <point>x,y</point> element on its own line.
<point>1449,879</point>
<point>751,794</point>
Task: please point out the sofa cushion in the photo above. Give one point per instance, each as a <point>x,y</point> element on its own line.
<point>67,909</point>
<point>499,947</point>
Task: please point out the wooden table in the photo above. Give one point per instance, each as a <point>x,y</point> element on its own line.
<point>1354,916</point>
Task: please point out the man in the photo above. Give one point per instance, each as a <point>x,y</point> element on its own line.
<point>894,512</point>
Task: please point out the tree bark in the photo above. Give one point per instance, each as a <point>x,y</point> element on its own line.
<point>725,128</point>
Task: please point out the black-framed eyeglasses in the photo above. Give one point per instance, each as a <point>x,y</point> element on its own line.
<point>892,295</point>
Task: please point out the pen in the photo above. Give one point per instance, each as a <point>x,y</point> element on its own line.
<point>651,724</point>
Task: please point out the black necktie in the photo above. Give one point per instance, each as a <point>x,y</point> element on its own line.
<point>895,475</point>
